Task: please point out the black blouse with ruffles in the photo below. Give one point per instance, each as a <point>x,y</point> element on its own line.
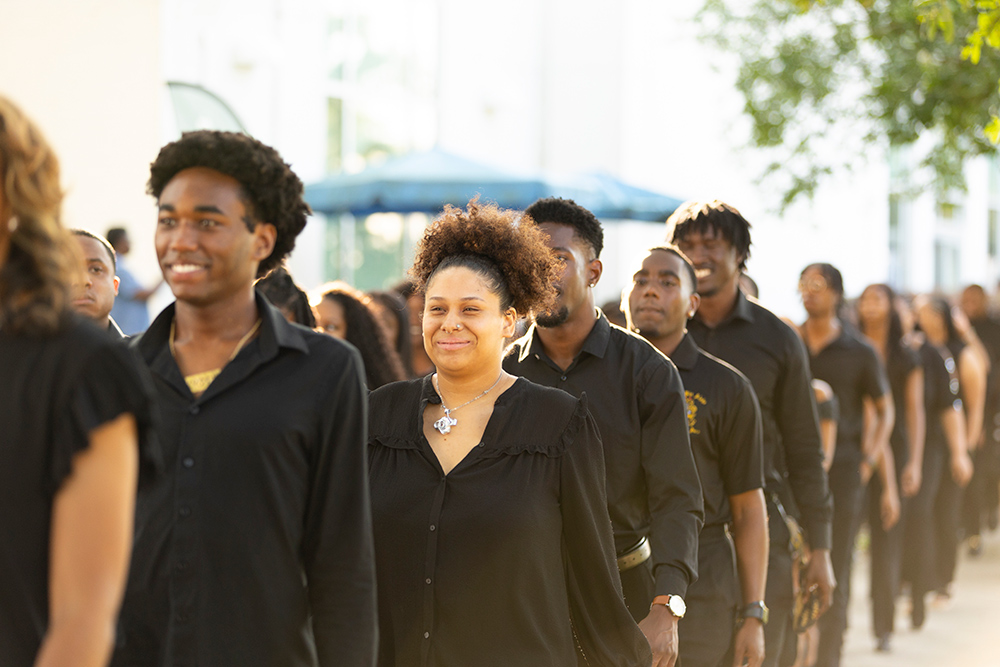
<point>508,557</point>
<point>54,391</point>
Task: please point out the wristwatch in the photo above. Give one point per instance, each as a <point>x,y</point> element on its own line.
<point>756,610</point>
<point>675,603</point>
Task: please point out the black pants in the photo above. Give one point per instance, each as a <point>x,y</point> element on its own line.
<point>947,527</point>
<point>886,558</point>
<point>779,638</point>
<point>848,493</point>
<point>919,542</point>
<point>705,632</point>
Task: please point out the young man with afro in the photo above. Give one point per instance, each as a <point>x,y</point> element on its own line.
<point>255,547</point>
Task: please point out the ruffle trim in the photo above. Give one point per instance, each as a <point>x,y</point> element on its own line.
<point>554,449</point>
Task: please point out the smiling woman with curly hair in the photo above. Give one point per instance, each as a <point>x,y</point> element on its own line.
<point>488,498</point>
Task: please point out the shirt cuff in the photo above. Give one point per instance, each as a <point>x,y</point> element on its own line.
<point>670,581</point>
<point>819,535</point>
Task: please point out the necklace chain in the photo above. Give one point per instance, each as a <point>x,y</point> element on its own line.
<point>444,424</point>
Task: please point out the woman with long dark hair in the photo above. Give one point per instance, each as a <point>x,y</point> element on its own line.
<point>493,545</point>
<point>345,313</point>
<point>879,321</point>
<point>394,314</point>
<point>73,410</point>
<point>947,465</point>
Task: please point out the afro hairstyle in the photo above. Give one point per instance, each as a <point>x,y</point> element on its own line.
<point>272,191</point>
<point>512,257</point>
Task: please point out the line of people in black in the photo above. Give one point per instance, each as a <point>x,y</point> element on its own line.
<point>915,384</point>
<point>525,483</point>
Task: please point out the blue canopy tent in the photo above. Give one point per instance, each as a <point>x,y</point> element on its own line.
<point>425,182</point>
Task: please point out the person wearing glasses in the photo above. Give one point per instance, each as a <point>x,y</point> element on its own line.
<point>842,358</point>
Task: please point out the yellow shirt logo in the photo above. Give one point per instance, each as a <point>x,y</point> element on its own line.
<point>693,401</point>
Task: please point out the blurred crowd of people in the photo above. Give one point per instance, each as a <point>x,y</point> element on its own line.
<point>477,466</point>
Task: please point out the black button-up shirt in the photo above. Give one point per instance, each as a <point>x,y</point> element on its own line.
<point>940,392</point>
<point>773,358</point>
<point>724,425</point>
<point>54,392</point>
<point>637,400</point>
<point>499,562</point>
<point>255,547</point>
<point>853,370</point>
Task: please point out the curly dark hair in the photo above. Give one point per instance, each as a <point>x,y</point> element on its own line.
<point>272,192</point>
<point>510,255</point>
<point>365,332</point>
<point>713,216</point>
<point>567,212</point>
<point>280,289</point>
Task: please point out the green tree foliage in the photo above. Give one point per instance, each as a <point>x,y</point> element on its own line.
<point>850,74</point>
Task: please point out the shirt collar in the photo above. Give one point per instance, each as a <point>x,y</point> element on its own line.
<point>114,329</point>
<point>595,344</point>
<point>741,310</point>
<point>685,356</point>
<point>275,332</point>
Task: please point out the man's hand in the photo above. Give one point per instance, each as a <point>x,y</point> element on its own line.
<point>961,468</point>
<point>911,479</point>
<point>819,573</point>
<point>889,506</point>
<point>748,645</point>
<point>660,628</point>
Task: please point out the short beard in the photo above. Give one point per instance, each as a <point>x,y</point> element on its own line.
<point>552,319</point>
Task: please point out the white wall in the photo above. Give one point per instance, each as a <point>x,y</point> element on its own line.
<point>88,73</point>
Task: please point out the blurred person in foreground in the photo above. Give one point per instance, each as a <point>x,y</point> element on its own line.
<point>724,425</point>
<point>843,358</point>
<point>74,425</point>
<point>280,289</point>
<point>737,329</point>
<point>255,548</point>
<point>94,294</point>
<point>880,323</point>
<point>492,536</point>
<point>130,311</point>
<point>345,313</point>
<point>654,493</point>
<point>982,496</point>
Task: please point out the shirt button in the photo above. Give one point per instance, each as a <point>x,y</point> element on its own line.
<point>188,462</point>
<point>427,580</point>
<point>195,409</point>
<point>184,511</point>
<point>563,378</point>
<point>182,565</point>
<point>427,635</point>
<point>433,527</point>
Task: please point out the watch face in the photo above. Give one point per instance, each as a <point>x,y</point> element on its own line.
<point>677,606</point>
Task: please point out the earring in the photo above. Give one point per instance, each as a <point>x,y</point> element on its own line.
<point>12,224</point>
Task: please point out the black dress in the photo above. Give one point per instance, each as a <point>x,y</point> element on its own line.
<point>510,555</point>
<point>54,391</point>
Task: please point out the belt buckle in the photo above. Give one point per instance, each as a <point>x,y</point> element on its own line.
<point>635,556</point>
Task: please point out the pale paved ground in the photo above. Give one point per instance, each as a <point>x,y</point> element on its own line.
<point>965,634</point>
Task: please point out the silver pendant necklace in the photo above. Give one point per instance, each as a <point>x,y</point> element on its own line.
<point>444,424</point>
